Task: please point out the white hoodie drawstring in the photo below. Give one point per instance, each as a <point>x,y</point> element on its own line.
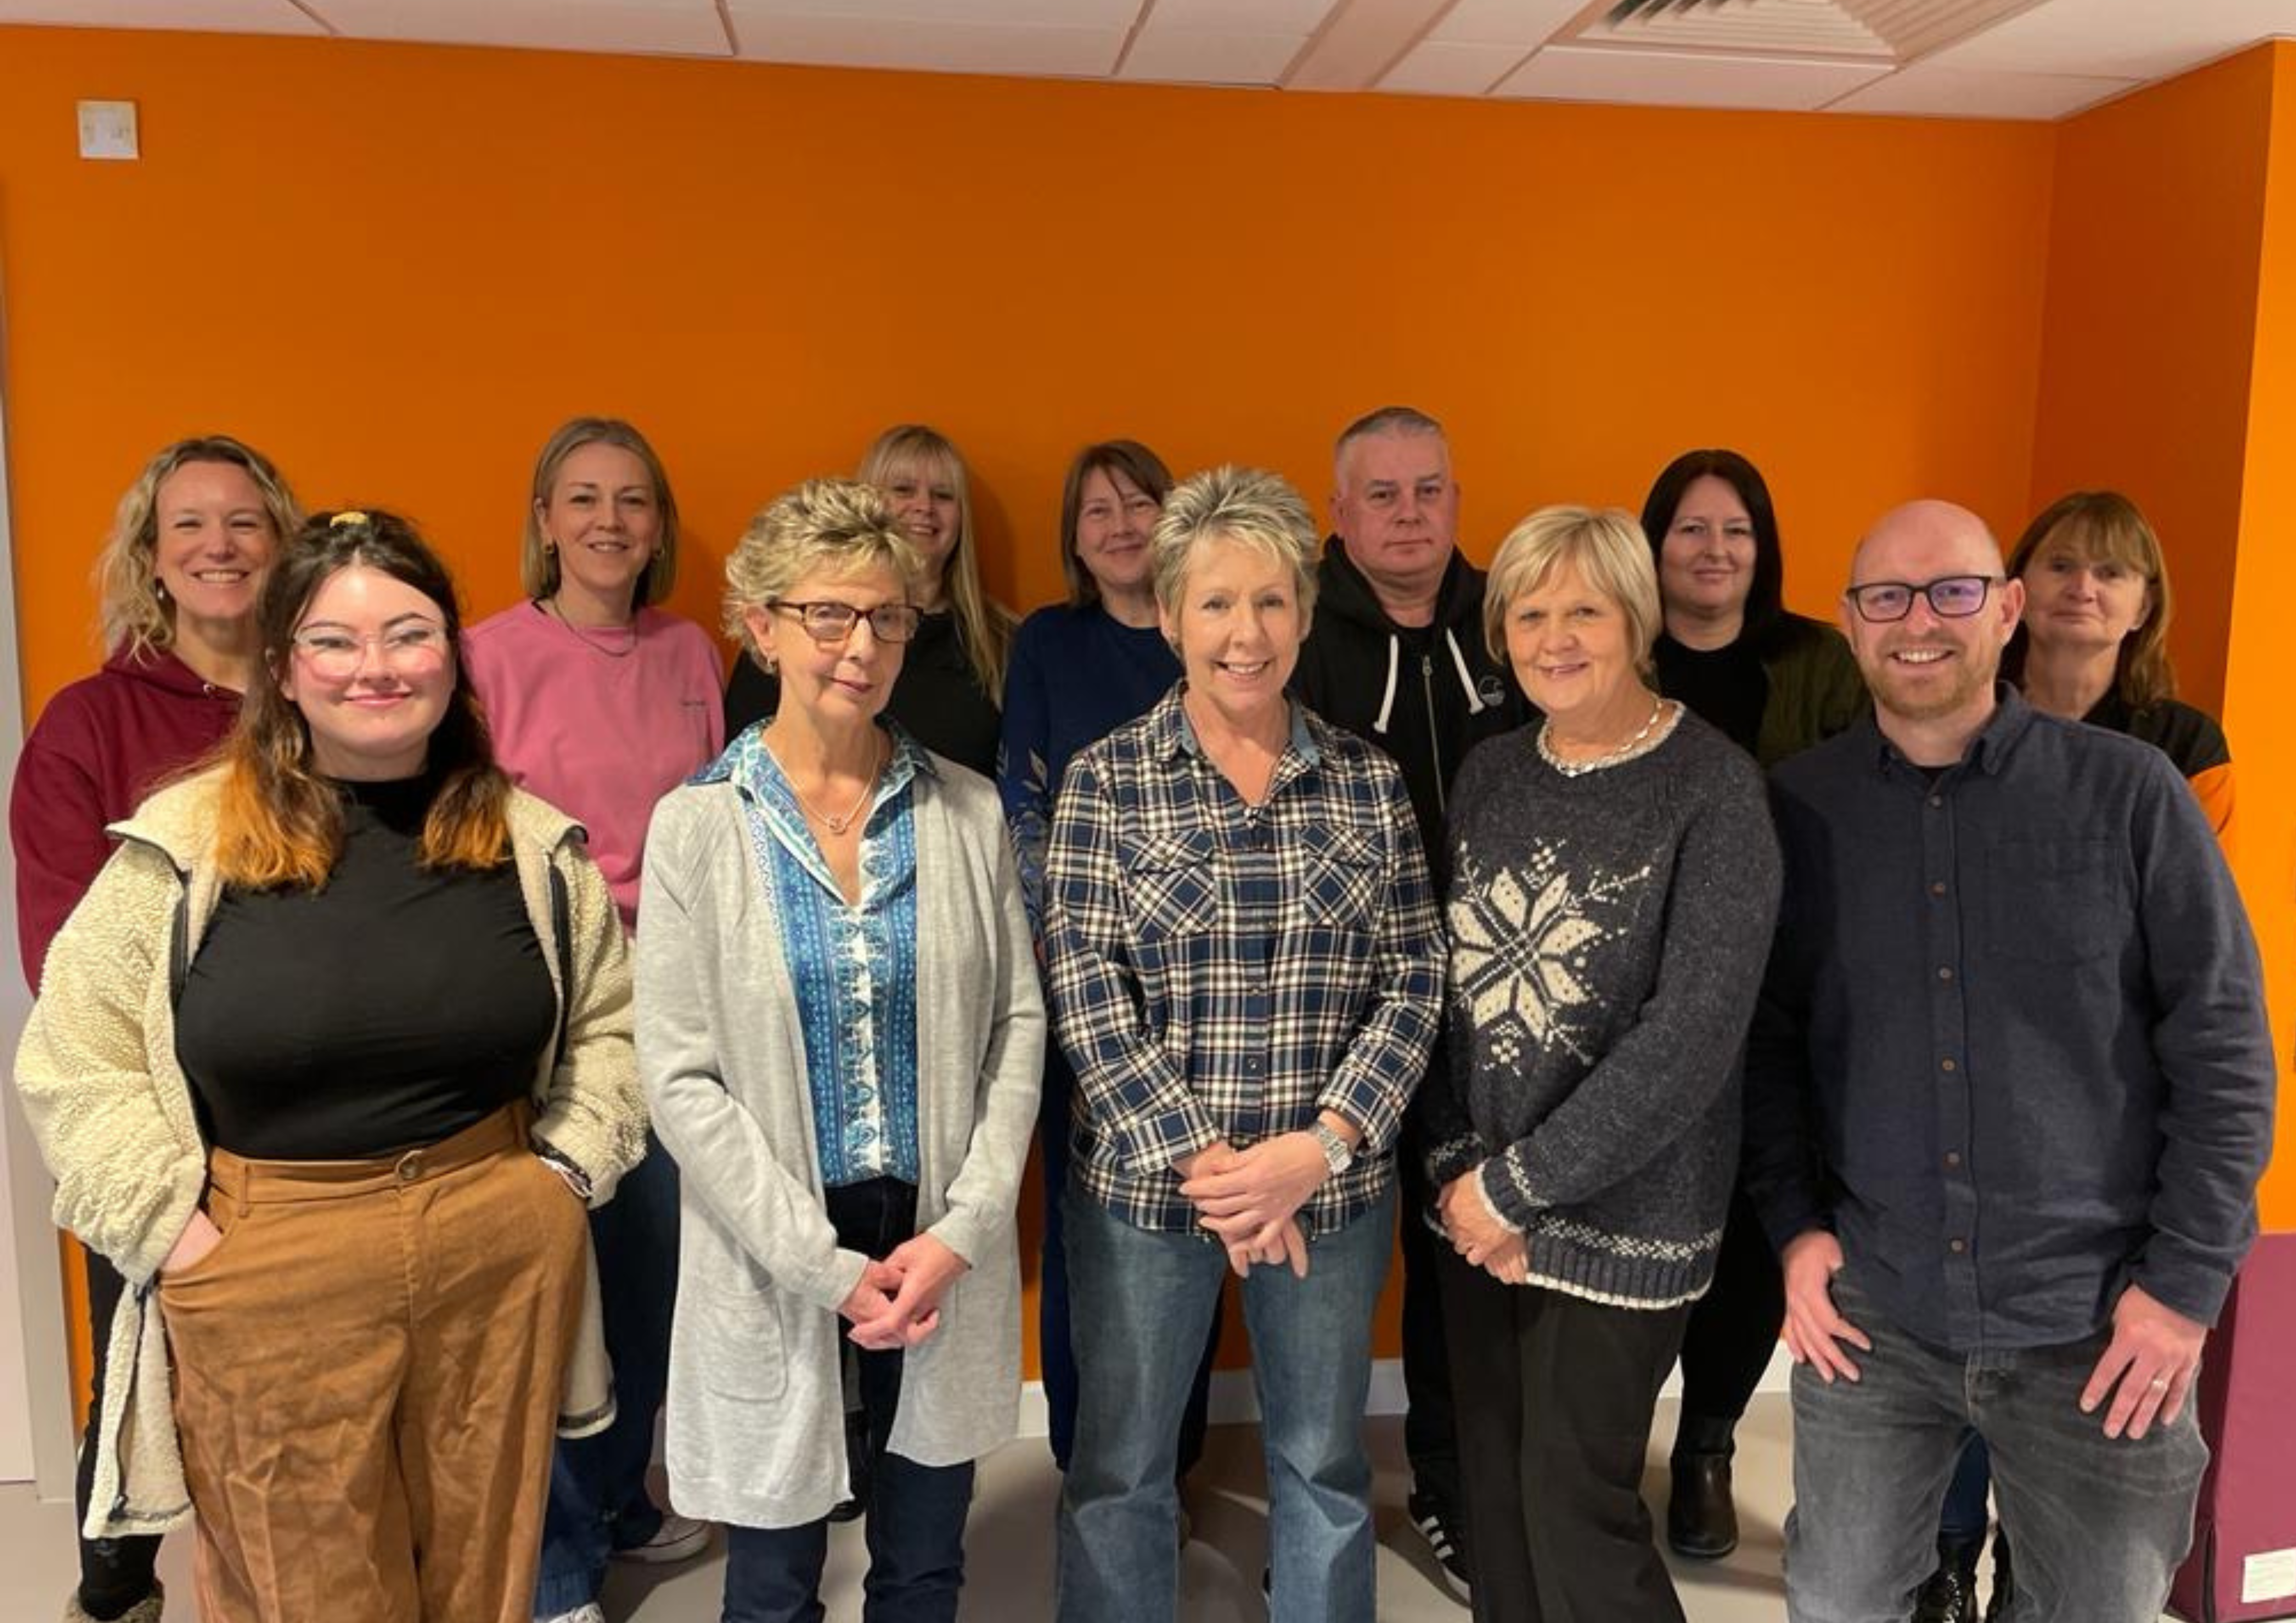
<point>1387,701</point>
<point>1475,705</point>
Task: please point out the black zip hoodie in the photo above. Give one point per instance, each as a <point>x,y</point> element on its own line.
<point>1426,694</point>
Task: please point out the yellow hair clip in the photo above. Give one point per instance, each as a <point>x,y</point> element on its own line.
<point>349,516</point>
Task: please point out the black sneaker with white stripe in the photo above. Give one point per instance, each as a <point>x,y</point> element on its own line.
<point>1438,1524</point>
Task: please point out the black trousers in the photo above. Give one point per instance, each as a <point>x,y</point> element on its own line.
<point>114,1573</point>
<point>1734,1328</point>
<point>1430,1427</point>
<point>1562,1392</point>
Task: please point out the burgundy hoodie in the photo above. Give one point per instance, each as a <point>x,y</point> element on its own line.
<point>98,749</point>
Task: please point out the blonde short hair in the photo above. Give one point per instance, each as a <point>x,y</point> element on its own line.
<point>1605,544</point>
<point>1250,506</point>
<point>837,527</point>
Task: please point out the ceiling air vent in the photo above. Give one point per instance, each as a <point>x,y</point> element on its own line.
<point>1893,31</point>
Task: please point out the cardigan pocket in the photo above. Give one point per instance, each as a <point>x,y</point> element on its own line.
<point>740,1347</point>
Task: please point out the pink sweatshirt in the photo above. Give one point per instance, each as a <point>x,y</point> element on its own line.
<point>600,736</point>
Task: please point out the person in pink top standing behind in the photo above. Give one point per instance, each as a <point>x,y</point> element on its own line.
<point>601,703</point>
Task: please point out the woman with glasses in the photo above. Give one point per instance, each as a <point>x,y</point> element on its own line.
<point>1774,683</point>
<point>328,1064</point>
<point>841,1035</point>
<point>600,703</point>
<point>953,670</point>
<point>1614,885</point>
<point>180,575</point>
<point>2093,646</point>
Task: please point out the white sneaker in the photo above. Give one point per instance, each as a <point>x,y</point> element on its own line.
<point>677,1538</point>
<point>588,1613</point>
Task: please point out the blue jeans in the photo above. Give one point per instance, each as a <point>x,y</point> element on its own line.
<point>915,1526</point>
<point>1143,1302</point>
<point>1964,1517</point>
<point>599,1501</point>
<point>2100,1525</point>
<point>1055,1348</point>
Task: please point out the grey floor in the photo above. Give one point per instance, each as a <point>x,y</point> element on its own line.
<point>1009,1550</point>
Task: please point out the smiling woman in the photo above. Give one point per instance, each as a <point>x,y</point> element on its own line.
<point>344,999</point>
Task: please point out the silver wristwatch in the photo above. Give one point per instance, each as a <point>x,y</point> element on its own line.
<point>1339,1154</point>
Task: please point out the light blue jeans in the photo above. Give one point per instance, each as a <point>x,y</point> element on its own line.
<point>1141,1304</point>
<point>2100,1525</point>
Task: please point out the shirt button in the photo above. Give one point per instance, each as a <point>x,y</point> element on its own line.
<point>1953,1158</point>
<point>1947,1066</point>
<point>1936,802</point>
<point>1958,1246</point>
<point>1944,971</point>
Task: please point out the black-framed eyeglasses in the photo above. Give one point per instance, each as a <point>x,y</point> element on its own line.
<point>826,621</point>
<point>1953,597</point>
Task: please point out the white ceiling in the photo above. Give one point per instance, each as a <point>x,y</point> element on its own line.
<point>2014,59</point>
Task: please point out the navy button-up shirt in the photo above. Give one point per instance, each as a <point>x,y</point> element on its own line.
<point>2013,1048</point>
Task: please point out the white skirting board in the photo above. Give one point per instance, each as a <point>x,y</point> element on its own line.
<point>1233,1403</point>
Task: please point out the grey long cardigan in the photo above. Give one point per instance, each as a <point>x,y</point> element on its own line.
<point>756,1427</point>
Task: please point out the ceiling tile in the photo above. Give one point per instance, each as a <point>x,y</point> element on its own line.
<point>206,16</point>
<point>1363,39</point>
<point>1930,89</point>
<point>1300,17</point>
<point>1568,73</point>
<point>1190,56</point>
<point>2135,39</point>
<point>929,48</point>
<point>685,28</point>
<point>1008,14</point>
<point>1521,23</point>
<point>1438,67</point>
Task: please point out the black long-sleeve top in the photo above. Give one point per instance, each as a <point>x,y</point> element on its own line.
<point>389,1009</point>
<point>2013,1048</point>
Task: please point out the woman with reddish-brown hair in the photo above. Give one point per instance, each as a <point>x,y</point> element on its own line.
<point>328,1064</point>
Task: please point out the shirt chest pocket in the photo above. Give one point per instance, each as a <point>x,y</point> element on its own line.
<point>1340,886</point>
<point>2054,901</point>
<point>1172,888</point>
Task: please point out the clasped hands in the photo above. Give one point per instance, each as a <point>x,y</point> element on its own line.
<point>1249,1199</point>
<point>1476,1232</point>
<point>896,1303</point>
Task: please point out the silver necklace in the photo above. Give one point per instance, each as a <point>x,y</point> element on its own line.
<point>1626,752</point>
<point>837,825</point>
<point>589,642</point>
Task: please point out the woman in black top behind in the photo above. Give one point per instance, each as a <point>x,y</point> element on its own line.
<point>953,672</point>
<point>1774,683</point>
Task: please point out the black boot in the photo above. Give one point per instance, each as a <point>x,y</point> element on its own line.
<point>2004,1580</point>
<point>1950,1596</point>
<point>1700,1521</point>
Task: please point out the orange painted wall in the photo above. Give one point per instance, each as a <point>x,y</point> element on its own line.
<point>397,268</point>
<point>2259,667</point>
<point>2168,371</point>
<point>2151,327</point>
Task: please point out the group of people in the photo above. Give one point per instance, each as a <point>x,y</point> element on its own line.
<point>611,1043</point>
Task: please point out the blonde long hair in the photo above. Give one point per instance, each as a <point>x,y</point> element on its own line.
<point>983,625</point>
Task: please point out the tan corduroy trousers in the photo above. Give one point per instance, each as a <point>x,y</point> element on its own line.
<point>368,1374</point>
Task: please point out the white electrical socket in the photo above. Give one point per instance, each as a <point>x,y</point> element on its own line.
<point>107,129</point>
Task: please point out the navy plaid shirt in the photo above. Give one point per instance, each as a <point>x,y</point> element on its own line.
<point>1222,970</point>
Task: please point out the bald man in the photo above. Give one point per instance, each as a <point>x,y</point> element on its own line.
<point>2008,1097</point>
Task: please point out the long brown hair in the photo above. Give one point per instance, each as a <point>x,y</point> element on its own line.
<point>2105,526</point>
<point>279,823</point>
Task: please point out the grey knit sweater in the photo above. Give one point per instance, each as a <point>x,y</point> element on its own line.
<point>1608,934</point>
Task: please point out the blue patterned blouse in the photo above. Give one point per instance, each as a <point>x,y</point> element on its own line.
<point>853,967</point>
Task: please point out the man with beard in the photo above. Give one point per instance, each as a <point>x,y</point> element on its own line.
<point>2008,1096</point>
